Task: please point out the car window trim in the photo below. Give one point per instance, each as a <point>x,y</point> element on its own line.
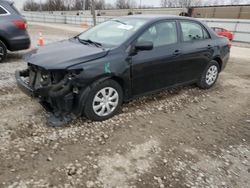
<point>160,21</point>
<point>7,12</point>
<point>193,21</point>
<point>204,31</point>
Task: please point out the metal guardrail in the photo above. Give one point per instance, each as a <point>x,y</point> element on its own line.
<point>240,28</point>
<point>63,19</point>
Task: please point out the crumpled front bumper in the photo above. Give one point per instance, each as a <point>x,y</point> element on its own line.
<point>64,104</point>
<point>22,85</point>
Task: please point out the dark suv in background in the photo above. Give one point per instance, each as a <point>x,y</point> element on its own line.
<point>13,34</point>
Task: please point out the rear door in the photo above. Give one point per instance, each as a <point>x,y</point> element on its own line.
<point>155,69</point>
<point>196,51</point>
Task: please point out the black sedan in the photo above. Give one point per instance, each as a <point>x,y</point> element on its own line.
<point>93,73</point>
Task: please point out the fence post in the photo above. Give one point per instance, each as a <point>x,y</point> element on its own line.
<point>240,10</point>
<point>93,11</point>
<point>235,29</point>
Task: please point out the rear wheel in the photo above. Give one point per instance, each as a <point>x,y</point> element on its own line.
<point>104,101</point>
<point>3,51</point>
<point>210,75</point>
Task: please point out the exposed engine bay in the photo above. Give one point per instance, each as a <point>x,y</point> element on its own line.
<point>56,90</point>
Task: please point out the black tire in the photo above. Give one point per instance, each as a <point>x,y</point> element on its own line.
<point>202,83</point>
<point>97,87</point>
<point>3,51</point>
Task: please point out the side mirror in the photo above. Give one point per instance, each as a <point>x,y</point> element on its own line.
<point>144,45</point>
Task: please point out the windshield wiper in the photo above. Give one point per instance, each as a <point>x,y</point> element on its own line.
<point>88,41</point>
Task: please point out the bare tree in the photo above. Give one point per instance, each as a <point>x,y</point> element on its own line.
<point>121,4</point>
<point>87,4</point>
<point>100,4</point>
<point>109,6</point>
<point>169,3</point>
<point>234,2</point>
<point>61,5</point>
<point>132,4</point>
<point>190,3</point>
<point>125,4</point>
<point>31,5</point>
<point>184,3</point>
<point>69,4</point>
<point>53,5</point>
<point>78,5</point>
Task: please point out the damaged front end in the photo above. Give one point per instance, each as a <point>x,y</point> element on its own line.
<point>57,90</point>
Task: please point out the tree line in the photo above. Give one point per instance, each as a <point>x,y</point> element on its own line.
<point>190,3</point>
<point>73,5</point>
<point>62,5</point>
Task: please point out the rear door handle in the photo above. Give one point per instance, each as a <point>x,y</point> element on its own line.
<point>209,46</point>
<point>177,52</point>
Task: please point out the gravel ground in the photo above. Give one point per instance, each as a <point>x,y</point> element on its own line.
<point>184,137</point>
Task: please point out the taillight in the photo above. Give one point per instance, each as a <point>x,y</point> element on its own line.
<point>20,24</point>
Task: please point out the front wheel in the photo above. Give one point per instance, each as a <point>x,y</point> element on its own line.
<point>104,101</point>
<point>3,51</point>
<point>209,76</point>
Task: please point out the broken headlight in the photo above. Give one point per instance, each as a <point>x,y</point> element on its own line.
<point>73,73</point>
<point>45,78</point>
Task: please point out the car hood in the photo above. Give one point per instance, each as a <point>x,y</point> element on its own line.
<point>64,54</point>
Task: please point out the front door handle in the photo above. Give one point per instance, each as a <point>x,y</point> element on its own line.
<point>177,52</point>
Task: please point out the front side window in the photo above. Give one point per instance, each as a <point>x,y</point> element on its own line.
<point>112,33</point>
<point>193,31</point>
<point>160,34</point>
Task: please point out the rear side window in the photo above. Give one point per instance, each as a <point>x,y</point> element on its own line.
<point>193,31</point>
<point>161,34</point>
<point>2,11</point>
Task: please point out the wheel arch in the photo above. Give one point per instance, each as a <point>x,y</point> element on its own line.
<point>84,109</point>
<point>4,41</point>
<point>118,79</point>
<point>219,61</point>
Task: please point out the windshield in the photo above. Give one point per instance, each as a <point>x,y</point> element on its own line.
<point>112,33</point>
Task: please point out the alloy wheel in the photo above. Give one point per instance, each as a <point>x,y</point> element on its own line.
<point>211,75</point>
